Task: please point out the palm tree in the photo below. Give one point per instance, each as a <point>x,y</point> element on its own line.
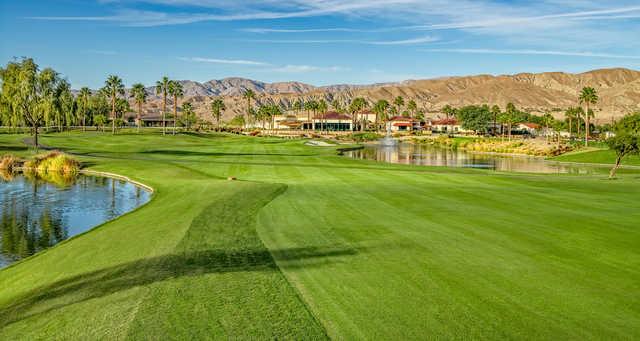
<point>412,107</point>
<point>188,115</point>
<point>323,107</point>
<point>248,95</point>
<point>495,111</point>
<point>175,90</point>
<point>358,104</point>
<point>380,109</point>
<point>547,118</point>
<point>113,87</point>
<point>83,98</point>
<point>509,117</point>
<point>217,107</point>
<point>570,115</point>
<point>161,89</point>
<point>139,95</point>
<point>587,97</point>
<point>309,106</point>
<point>399,102</point>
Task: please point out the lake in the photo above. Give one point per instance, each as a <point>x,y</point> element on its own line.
<point>426,155</point>
<point>36,214</point>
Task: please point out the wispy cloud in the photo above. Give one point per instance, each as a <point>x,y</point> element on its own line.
<point>411,41</point>
<point>264,66</point>
<point>223,61</point>
<point>536,52</point>
<point>101,52</point>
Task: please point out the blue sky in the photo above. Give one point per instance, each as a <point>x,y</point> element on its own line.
<point>317,41</point>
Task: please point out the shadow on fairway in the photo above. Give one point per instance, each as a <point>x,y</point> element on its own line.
<point>147,271</point>
<point>194,153</point>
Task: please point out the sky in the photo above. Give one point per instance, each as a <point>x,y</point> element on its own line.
<point>319,42</point>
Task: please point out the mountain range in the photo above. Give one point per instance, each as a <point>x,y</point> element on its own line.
<point>618,89</point>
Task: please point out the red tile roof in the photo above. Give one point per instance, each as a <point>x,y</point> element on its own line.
<point>401,118</point>
<point>402,124</point>
<point>445,122</point>
<point>531,125</point>
<point>332,115</point>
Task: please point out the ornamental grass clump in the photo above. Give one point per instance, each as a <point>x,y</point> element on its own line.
<point>54,162</point>
<point>10,162</point>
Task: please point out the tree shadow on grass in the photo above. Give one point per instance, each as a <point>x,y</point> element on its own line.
<point>146,271</point>
<point>195,153</point>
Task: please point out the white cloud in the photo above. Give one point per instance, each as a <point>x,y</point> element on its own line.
<point>411,41</point>
<point>420,40</point>
<point>222,61</point>
<point>307,69</point>
<point>537,52</point>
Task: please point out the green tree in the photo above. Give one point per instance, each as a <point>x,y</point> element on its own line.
<point>548,120</point>
<point>188,116</point>
<point>509,117</point>
<point>570,115</point>
<point>113,87</point>
<point>588,97</point>
<point>100,121</point>
<point>626,140</point>
<point>28,93</point>
<point>139,95</point>
<point>162,87</point>
<point>399,103</point>
<point>474,117</point>
<point>311,105</point>
<point>449,111</point>
<point>217,107</point>
<point>176,91</point>
<point>412,107</point>
<point>84,96</point>
<point>357,105</point>
<point>495,113</point>
<point>380,109</point>
<point>248,95</point>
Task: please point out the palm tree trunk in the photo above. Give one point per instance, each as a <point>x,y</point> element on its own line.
<point>113,115</point>
<point>139,115</point>
<point>175,113</point>
<point>586,127</point>
<point>164,110</point>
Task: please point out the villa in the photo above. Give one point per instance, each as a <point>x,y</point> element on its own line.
<point>447,125</point>
<point>332,121</point>
<point>402,123</point>
<point>528,128</point>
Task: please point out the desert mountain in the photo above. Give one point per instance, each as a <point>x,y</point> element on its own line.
<point>619,91</point>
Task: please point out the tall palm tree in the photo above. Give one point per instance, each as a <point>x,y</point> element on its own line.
<point>357,105</point>
<point>249,95</point>
<point>380,109</point>
<point>412,106</point>
<point>139,95</point>
<point>495,111</point>
<point>113,87</point>
<point>547,118</point>
<point>175,90</point>
<point>162,86</point>
<point>399,103</point>
<point>588,96</point>
<point>83,99</point>
<point>188,115</point>
<point>570,115</point>
<point>217,107</point>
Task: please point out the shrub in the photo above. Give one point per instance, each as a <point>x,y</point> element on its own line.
<point>53,162</point>
<point>9,162</point>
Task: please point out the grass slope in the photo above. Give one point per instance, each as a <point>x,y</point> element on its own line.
<point>363,250</point>
<point>604,156</point>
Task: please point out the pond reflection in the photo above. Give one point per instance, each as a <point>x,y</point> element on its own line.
<point>425,155</point>
<point>37,213</point>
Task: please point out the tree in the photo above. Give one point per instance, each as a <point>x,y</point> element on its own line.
<point>626,140</point>
<point>380,109</point>
<point>249,95</point>
<point>399,103</point>
<point>548,120</point>
<point>188,116</point>
<point>474,117</point>
<point>162,87</point>
<point>569,115</point>
<point>64,104</point>
<point>412,107</point>
<point>588,96</point>
<point>323,107</point>
<point>495,113</point>
<point>509,117</point>
<point>448,111</point>
<point>217,107</point>
<point>298,106</point>
<point>100,121</point>
<point>83,100</point>
<point>309,106</point>
<point>113,87</point>
<point>28,93</point>
<point>357,105</point>
<point>176,91</point>
<point>139,95</point>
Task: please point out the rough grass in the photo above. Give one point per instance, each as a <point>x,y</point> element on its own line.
<point>308,245</point>
<point>604,156</point>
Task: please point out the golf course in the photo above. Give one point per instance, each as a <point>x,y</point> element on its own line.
<point>307,244</point>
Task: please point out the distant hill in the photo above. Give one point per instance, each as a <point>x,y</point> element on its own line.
<point>619,91</point>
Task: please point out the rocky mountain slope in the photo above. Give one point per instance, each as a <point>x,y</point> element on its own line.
<point>619,91</point>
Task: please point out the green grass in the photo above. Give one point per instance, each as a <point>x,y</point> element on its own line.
<point>308,244</point>
<point>604,156</point>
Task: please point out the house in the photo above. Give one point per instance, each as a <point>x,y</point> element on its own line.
<point>446,125</point>
<point>528,128</point>
<point>332,121</point>
<point>402,123</point>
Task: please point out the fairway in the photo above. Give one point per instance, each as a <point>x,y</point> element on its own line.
<point>307,244</point>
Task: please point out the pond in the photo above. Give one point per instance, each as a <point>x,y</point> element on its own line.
<point>36,214</point>
<point>426,155</point>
